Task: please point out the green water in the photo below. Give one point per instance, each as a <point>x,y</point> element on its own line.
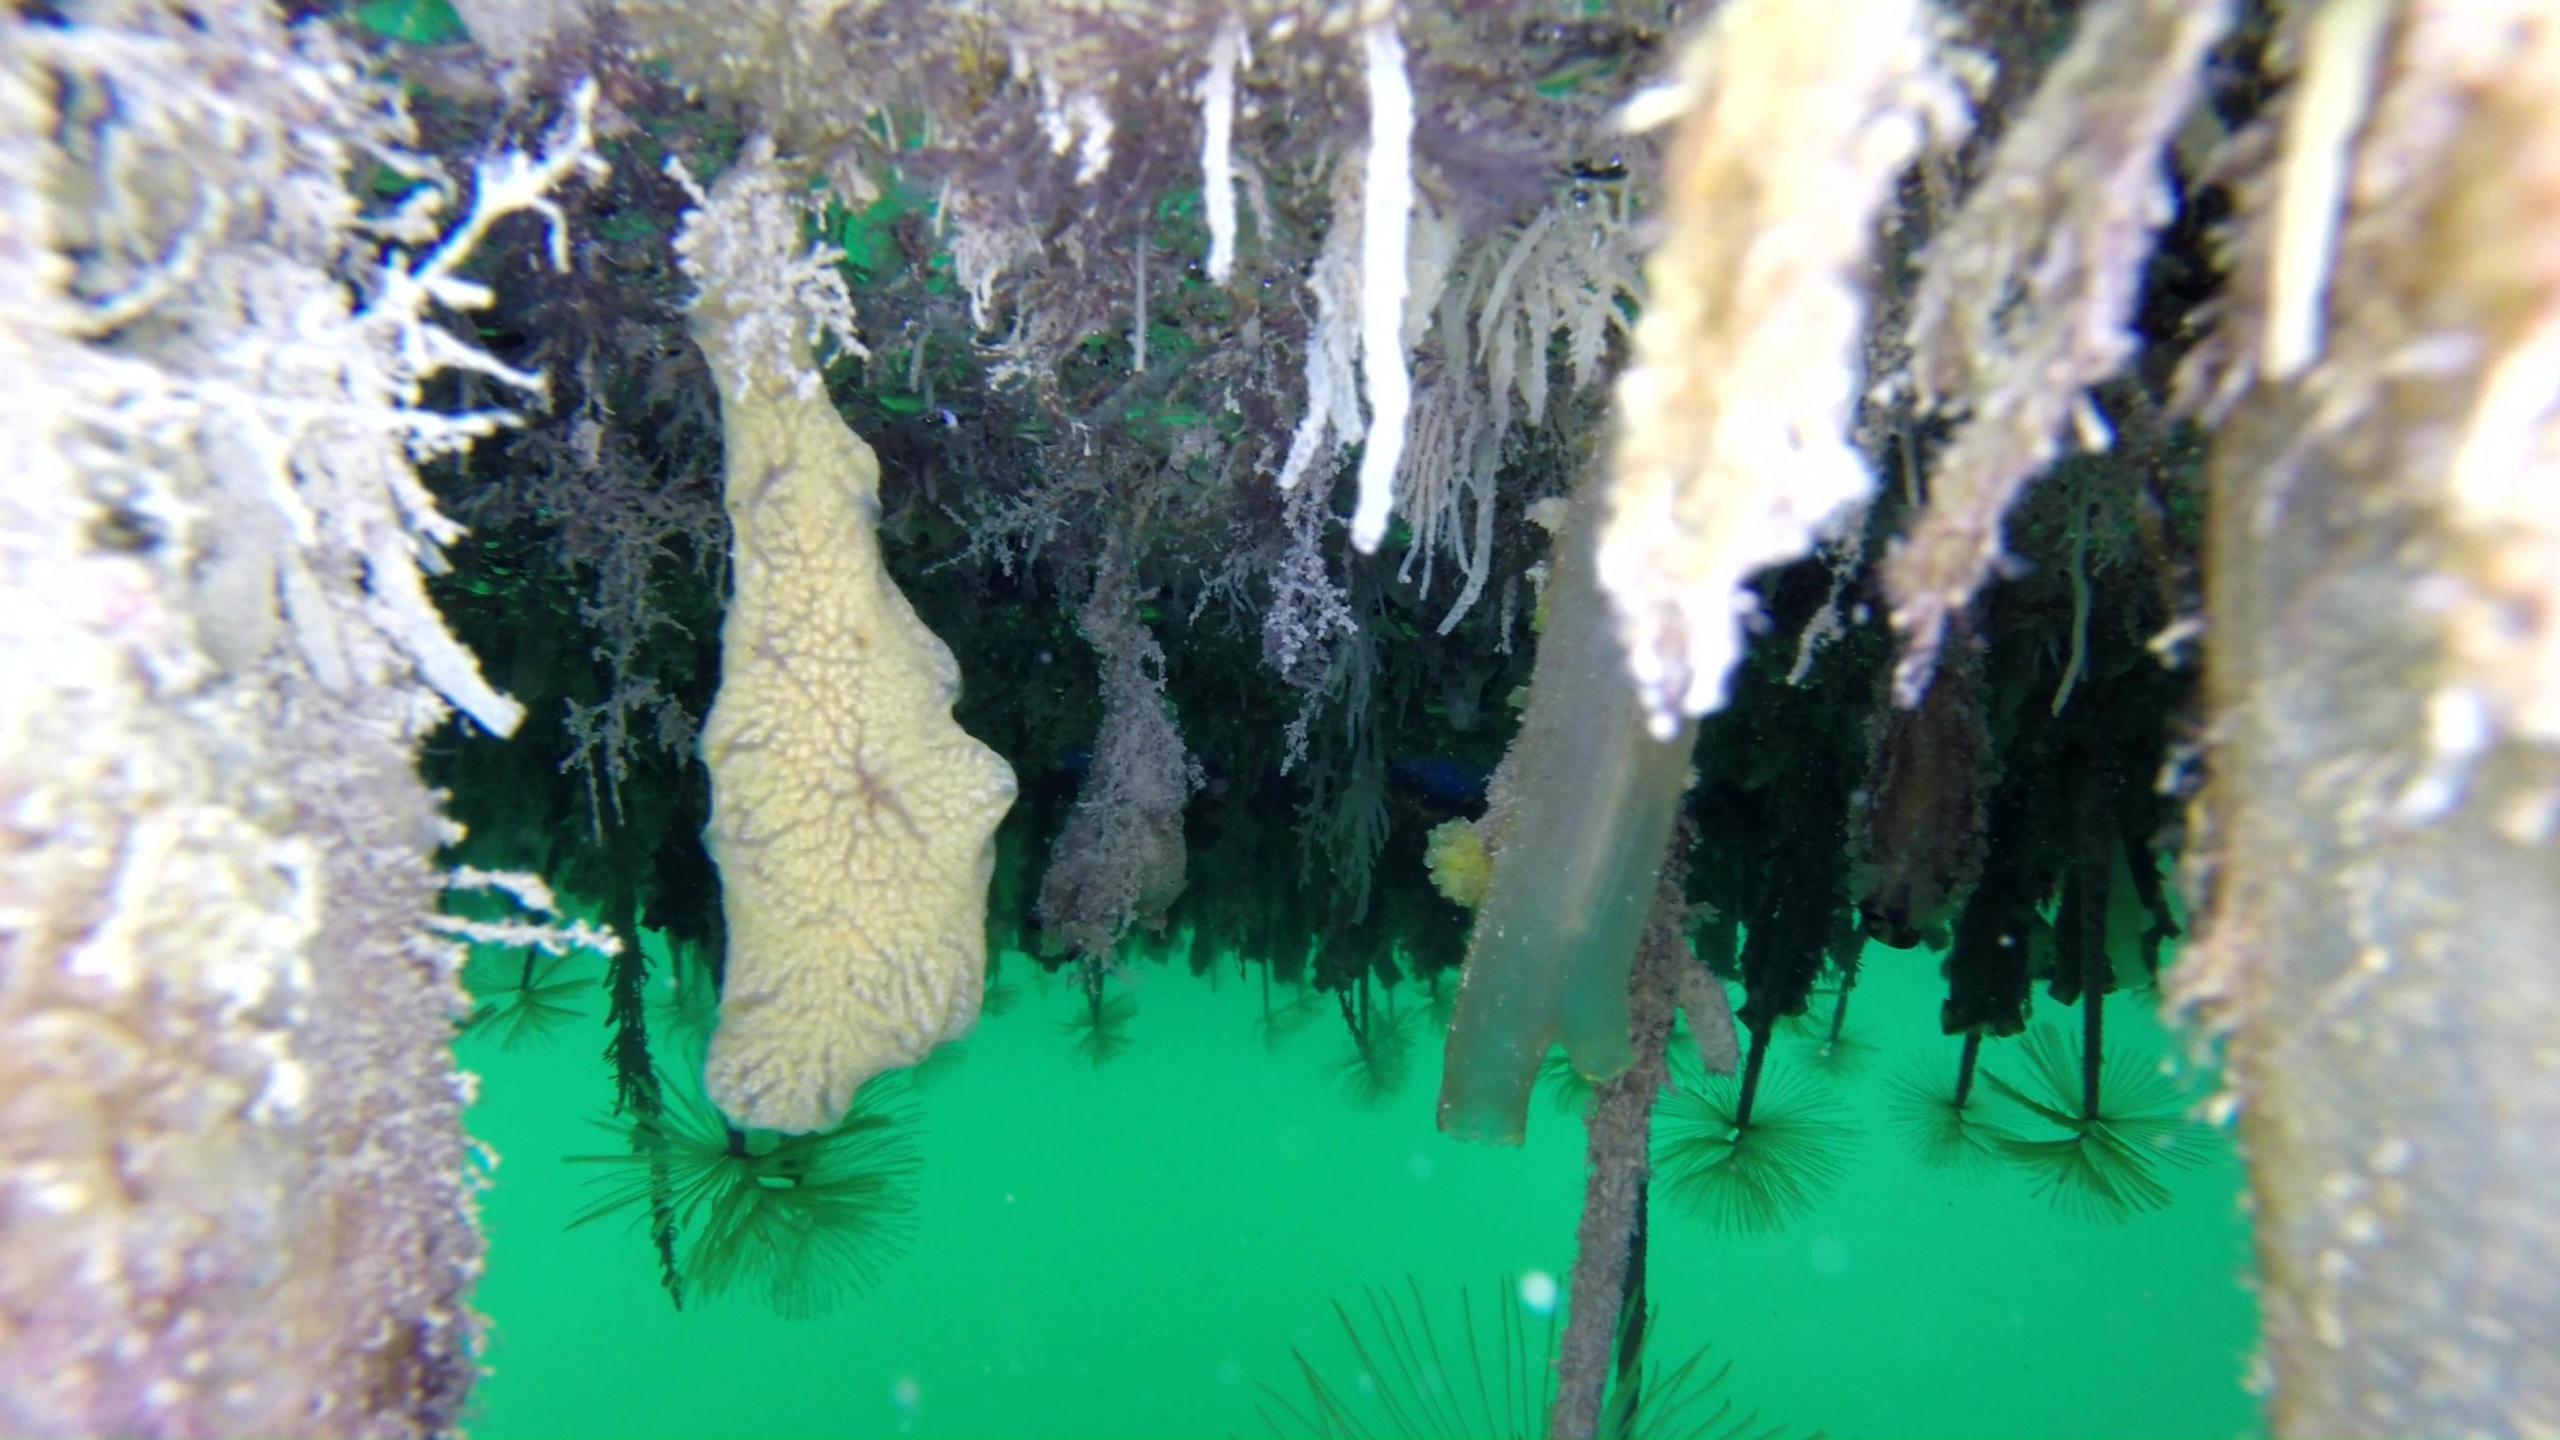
<point>1132,1250</point>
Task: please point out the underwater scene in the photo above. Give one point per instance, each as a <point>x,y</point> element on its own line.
<point>1598,719</point>
<point>1211,1217</point>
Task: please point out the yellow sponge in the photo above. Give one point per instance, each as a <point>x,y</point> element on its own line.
<point>1461,868</point>
<point>852,819</point>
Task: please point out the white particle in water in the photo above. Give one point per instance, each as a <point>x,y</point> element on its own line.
<point>1538,1292</point>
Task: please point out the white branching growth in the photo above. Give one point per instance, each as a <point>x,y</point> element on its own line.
<point>319,428</point>
<point>792,301</point>
<point>1217,92</point>
<point>1386,218</point>
<point>396,558</point>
